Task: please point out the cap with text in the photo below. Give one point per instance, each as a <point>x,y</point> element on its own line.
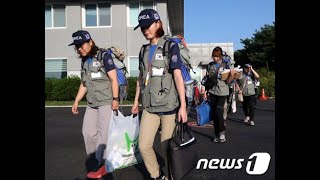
<point>147,17</point>
<point>80,37</point>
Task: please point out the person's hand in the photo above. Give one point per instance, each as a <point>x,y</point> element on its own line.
<point>182,114</point>
<point>115,105</point>
<point>205,96</point>
<point>74,108</point>
<point>239,91</point>
<point>135,108</point>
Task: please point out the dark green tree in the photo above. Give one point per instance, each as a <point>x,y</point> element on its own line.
<point>260,49</point>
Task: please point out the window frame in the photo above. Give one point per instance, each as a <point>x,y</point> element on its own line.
<point>83,11</point>
<point>129,66</point>
<point>52,15</point>
<point>154,6</point>
<point>57,58</point>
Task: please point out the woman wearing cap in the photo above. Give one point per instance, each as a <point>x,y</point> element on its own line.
<point>247,88</point>
<point>161,88</point>
<point>100,85</point>
<point>218,93</point>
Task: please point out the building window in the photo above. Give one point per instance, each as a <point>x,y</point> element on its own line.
<point>55,15</point>
<point>55,68</point>
<point>97,15</point>
<point>133,66</point>
<point>135,8</point>
<point>197,75</point>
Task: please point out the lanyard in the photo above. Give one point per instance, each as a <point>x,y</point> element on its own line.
<point>89,60</point>
<point>150,58</point>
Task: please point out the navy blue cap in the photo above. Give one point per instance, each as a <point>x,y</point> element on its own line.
<point>80,37</point>
<point>147,17</point>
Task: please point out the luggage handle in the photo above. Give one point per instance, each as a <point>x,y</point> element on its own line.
<point>180,129</point>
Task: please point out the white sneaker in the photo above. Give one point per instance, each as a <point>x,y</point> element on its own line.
<point>222,136</point>
<point>246,119</point>
<point>216,140</point>
<point>251,123</point>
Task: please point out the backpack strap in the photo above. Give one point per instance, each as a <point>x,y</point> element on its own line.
<point>165,50</point>
<point>82,64</point>
<point>101,53</point>
<point>142,52</point>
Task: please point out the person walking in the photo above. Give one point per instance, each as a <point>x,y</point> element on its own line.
<point>247,88</point>
<point>161,89</point>
<point>100,86</point>
<point>218,93</point>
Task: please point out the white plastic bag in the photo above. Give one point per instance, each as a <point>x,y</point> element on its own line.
<point>233,103</point>
<point>122,148</point>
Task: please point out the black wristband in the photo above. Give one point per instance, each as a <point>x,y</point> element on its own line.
<point>116,98</point>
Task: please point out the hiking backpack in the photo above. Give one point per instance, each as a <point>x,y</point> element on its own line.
<point>186,66</point>
<point>118,58</point>
<point>227,60</point>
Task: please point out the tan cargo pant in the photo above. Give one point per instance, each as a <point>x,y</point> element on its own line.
<point>95,129</point>
<point>148,128</point>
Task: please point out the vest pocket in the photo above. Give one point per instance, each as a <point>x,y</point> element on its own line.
<point>159,98</point>
<point>249,90</point>
<point>160,90</point>
<point>103,94</point>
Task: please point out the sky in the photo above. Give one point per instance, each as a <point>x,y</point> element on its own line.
<point>222,21</point>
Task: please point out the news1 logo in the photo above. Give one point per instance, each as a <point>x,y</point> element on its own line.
<point>257,163</point>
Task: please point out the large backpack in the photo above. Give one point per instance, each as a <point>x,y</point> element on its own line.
<point>186,66</point>
<point>118,58</point>
<point>227,59</point>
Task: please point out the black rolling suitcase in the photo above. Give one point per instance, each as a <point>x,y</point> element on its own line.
<point>182,159</point>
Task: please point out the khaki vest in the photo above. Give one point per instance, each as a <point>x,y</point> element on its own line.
<point>97,82</point>
<point>222,88</point>
<point>248,89</point>
<point>160,93</point>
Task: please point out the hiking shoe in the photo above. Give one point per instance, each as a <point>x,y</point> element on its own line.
<point>222,136</point>
<point>246,119</point>
<point>251,123</point>
<point>98,172</point>
<point>216,139</point>
<point>162,177</point>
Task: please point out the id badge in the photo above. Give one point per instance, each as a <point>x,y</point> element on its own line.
<point>249,82</point>
<point>96,75</point>
<point>147,79</point>
<point>157,72</point>
<point>95,64</point>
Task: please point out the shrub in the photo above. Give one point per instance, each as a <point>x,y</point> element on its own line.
<point>267,82</point>
<point>132,84</point>
<point>62,89</point>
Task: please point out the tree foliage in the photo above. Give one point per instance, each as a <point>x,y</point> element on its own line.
<point>258,50</point>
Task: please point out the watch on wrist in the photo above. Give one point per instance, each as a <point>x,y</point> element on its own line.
<point>116,98</point>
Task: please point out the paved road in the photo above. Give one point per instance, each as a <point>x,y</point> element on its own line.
<point>65,156</point>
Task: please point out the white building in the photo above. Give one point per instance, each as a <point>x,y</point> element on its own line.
<point>111,22</point>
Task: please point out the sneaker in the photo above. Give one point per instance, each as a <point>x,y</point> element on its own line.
<point>162,177</point>
<point>251,123</point>
<point>216,139</point>
<point>246,119</point>
<point>98,172</point>
<point>222,136</point>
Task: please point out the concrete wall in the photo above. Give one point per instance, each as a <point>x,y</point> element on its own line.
<point>201,53</point>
